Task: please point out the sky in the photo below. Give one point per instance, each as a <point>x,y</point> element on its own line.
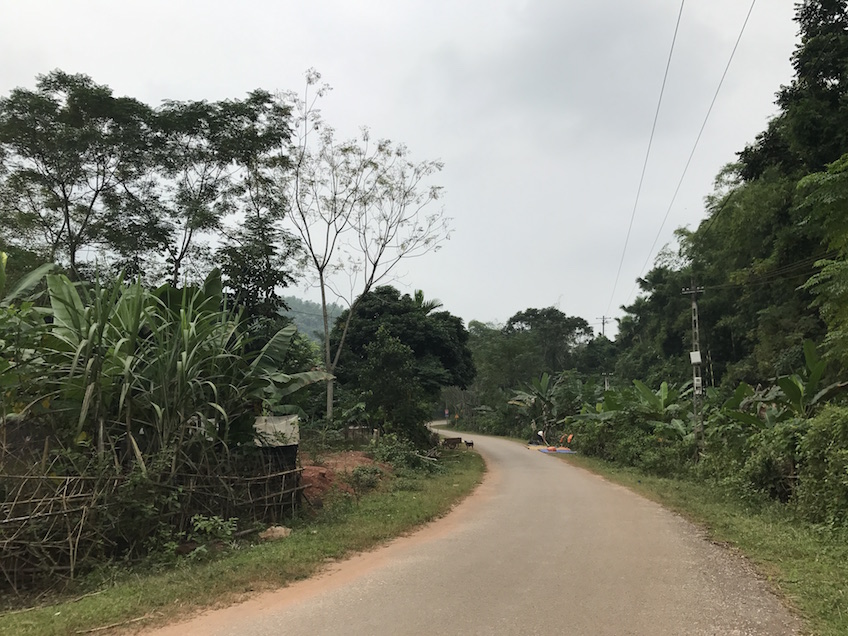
<point>541,111</point>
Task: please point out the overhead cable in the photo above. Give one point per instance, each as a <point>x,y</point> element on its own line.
<point>695,146</point>
<point>647,154</point>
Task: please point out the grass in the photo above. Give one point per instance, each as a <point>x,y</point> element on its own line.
<point>342,527</point>
<point>804,563</point>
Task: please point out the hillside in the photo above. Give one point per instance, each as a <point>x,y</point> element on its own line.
<point>308,318</point>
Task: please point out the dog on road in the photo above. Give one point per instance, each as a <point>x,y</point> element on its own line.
<point>469,443</point>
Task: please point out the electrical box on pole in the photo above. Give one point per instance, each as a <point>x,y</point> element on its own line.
<point>695,359</point>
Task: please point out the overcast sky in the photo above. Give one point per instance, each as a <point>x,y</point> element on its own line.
<point>540,109</point>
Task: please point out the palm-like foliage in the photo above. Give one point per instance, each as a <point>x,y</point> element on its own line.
<point>537,404</point>
<point>795,396</point>
<point>141,372</point>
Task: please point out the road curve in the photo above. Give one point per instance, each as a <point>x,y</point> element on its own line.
<point>540,548</point>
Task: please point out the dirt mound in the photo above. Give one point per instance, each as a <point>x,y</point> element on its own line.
<point>329,472</point>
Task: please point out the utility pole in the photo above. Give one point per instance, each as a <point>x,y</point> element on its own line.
<point>695,359</point>
<point>604,320</point>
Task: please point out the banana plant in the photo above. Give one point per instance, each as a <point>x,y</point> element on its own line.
<point>802,392</point>
<point>266,368</point>
<point>662,408</point>
<point>795,396</point>
<point>537,403</point>
<point>605,409</point>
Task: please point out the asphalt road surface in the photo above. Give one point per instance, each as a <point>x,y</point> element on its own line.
<point>540,548</point>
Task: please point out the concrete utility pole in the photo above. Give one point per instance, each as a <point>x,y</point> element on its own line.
<point>695,358</point>
<point>604,320</point>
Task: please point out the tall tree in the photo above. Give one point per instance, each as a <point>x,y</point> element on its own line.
<point>764,237</point>
<point>438,340</point>
<point>214,160</point>
<point>84,174</point>
<point>811,129</point>
<point>395,395</point>
<point>360,207</point>
<point>72,152</point>
<point>502,362</point>
<point>815,104</point>
<point>825,200</point>
<point>555,335</point>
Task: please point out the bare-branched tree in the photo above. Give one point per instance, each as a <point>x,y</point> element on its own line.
<point>360,206</point>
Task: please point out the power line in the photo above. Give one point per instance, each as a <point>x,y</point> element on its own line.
<point>805,265</point>
<point>695,146</point>
<point>647,153</point>
<point>715,216</point>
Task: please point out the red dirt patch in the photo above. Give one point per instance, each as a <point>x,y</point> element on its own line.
<point>322,477</point>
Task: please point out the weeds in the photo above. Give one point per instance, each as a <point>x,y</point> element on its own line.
<point>804,561</point>
<point>337,530</point>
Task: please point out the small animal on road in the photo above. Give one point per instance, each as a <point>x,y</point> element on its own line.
<point>469,443</point>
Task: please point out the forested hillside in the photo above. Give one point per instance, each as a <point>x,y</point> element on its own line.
<point>769,266</point>
<point>770,253</point>
<point>307,316</point>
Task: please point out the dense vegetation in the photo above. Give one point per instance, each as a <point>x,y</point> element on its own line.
<point>140,353</point>
<point>771,258</point>
<point>143,255</point>
<point>400,352</point>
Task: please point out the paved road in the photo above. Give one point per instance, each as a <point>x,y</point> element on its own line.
<point>541,548</point>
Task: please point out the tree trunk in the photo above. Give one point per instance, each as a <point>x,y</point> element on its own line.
<point>330,384</point>
<point>328,364</point>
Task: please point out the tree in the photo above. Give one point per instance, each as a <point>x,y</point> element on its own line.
<point>825,196</point>
<point>503,361</point>
<point>258,257</point>
<point>395,394</point>
<point>597,356</point>
<point>72,153</point>
<point>555,335</point>
<point>438,340</point>
<point>87,174</point>
<point>814,104</point>
<point>217,159</point>
<point>811,129</point>
<point>360,207</point>
<point>257,263</point>
<point>654,335</point>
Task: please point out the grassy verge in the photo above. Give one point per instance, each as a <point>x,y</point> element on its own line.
<point>342,528</point>
<point>805,563</point>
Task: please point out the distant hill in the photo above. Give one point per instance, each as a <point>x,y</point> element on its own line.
<point>307,316</point>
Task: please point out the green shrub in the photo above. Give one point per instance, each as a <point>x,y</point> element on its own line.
<point>822,494</point>
<point>214,528</point>
<point>771,466</point>
<point>591,436</point>
<point>364,478</point>
<point>668,457</point>
<point>400,453</point>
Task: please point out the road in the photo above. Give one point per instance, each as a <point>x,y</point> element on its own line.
<point>540,548</point>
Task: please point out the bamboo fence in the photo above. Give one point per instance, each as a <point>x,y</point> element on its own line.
<point>54,527</point>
